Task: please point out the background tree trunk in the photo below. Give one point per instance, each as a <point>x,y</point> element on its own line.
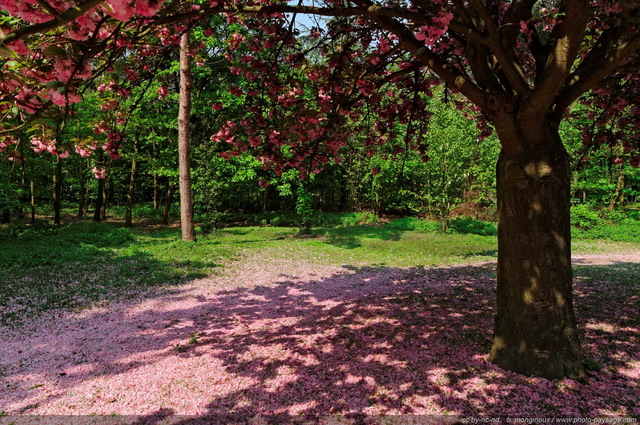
<point>33,201</point>
<point>167,203</point>
<point>156,186</point>
<point>618,196</point>
<point>132,187</point>
<point>97,214</point>
<point>83,191</point>
<point>105,195</point>
<point>184,161</point>
<point>57,191</point>
<point>535,328</point>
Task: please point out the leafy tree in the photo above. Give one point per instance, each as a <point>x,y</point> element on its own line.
<point>521,64</point>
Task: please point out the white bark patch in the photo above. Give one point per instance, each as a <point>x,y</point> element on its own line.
<point>538,169</point>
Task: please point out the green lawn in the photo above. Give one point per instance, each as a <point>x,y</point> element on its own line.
<point>79,265</point>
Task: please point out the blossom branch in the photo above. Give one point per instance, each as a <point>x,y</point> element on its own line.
<point>451,75</point>
<point>62,19</point>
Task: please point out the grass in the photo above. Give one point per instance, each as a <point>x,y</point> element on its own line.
<point>45,268</point>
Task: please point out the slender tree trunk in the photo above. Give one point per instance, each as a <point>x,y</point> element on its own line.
<point>82,192</point>
<point>33,201</point>
<point>97,213</point>
<point>535,328</point>
<point>167,203</point>
<point>105,196</point>
<point>57,191</point>
<point>87,197</point>
<point>155,192</point>
<point>23,197</point>
<point>618,196</point>
<point>156,186</point>
<point>132,187</point>
<point>184,160</point>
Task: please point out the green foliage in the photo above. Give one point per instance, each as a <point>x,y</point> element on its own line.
<point>304,208</point>
<point>38,230</point>
<point>591,223</point>
<point>468,225</point>
<point>622,232</point>
<point>211,223</point>
<point>414,224</point>
<point>10,197</point>
<point>584,216</point>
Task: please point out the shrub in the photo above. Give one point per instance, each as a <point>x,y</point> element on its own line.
<point>211,223</point>
<point>585,216</point>
<point>414,224</point>
<point>468,225</point>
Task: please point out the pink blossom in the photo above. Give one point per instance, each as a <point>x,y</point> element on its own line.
<point>99,172</point>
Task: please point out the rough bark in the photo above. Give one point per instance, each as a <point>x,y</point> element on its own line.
<point>535,327</point>
<point>184,160</point>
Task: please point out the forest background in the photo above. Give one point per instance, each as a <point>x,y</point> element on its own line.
<point>453,177</point>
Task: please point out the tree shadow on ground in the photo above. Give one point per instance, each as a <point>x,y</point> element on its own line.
<point>77,266</point>
<point>367,341</point>
<point>350,237</point>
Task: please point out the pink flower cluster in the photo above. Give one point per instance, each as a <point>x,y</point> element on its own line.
<point>99,172</point>
<point>431,33</point>
<point>6,142</point>
<point>47,145</point>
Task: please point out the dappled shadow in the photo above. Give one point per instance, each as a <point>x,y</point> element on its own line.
<point>365,341</point>
<point>349,237</point>
<point>485,253</point>
<point>79,266</point>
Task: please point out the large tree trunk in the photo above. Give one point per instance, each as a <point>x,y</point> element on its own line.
<point>184,160</point>
<point>535,328</point>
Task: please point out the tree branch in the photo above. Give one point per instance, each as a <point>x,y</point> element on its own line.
<point>60,20</point>
<point>512,70</point>
<point>452,76</point>
<point>581,83</point>
<point>565,44</point>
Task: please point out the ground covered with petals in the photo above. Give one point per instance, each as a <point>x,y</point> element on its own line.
<point>293,336</point>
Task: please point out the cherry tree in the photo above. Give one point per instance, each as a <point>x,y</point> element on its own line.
<point>517,66</point>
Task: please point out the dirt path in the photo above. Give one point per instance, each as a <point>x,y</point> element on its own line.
<point>291,337</point>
